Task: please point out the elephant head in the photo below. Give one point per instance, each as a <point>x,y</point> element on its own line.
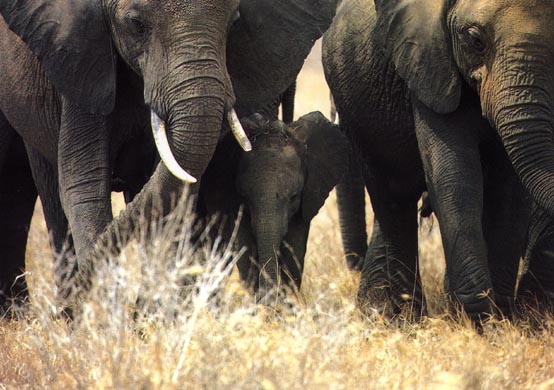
<point>503,51</point>
<point>196,59</point>
<point>179,49</point>
<point>283,183</point>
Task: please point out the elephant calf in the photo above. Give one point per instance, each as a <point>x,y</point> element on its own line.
<point>282,184</point>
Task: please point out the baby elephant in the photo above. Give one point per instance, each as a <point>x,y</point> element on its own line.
<point>281,184</point>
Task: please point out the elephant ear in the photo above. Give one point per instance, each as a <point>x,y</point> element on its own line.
<point>415,37</point>
<point>327,150</point>
<point>267,46</point>
<point>72,41</point>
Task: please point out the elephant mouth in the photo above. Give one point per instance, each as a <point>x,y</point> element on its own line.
<point>159,132</point>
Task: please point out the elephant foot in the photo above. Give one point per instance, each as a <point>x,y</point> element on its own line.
<point>391,289</point>
<point>505,305</point>
<point>382,300</point>
<point>379,301</point>
<point>534,308</point>
<point>354,262</point>
<point>534,303</point>
<point>278,303</point>
<point>479,308</point>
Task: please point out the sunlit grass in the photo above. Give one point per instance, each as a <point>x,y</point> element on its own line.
<point>215,336</point>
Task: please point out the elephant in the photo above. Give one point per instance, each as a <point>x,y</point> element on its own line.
<point>17,202</point>
<point>282,183</point>
<point>107,68</point>
<point>24,174</point>
<point>452,97</point>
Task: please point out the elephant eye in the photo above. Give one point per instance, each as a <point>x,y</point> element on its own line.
<point>136,24</point>
<point>140,27</point>
<point>474,38</point>
<point>294,197</point>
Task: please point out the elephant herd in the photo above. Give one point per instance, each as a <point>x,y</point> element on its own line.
<point>452,98</point>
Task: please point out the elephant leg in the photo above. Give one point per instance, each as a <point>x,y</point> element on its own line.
<point>6,136</point>
<point>17,203</point>
<point>249,269</point>
<point>287,103</point>
<point>390,278</point>
<point>449,150</point>
<point>293,252</point>
<point>536,287</point>
<point>46,180</point>
<point>84,177</point>
<point>351,206</point>
<point>505,219</point>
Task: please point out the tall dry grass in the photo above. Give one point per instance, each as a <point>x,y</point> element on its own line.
<point>208,333</point>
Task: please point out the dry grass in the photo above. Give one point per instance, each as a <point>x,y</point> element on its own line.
<point>216,337</point>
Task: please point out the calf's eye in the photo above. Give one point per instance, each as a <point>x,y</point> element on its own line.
<point>474,38</point>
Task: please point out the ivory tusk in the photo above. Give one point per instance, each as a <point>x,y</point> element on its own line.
<point>238,131</point>
<point>162,144</point>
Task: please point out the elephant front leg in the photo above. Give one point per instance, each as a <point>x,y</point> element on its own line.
<point>249,269</point>
<point>293,252</point>
<point>536,288</point>
<point>449,149</point>
<point>84,178</point>
<point>505,221</point>
<point>17,203</point>
<point>390,281</point>
<point>351,205</point>
<point>46,180</point>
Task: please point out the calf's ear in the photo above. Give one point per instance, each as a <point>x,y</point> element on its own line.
<point>327,150</point>
<point>71,39</point>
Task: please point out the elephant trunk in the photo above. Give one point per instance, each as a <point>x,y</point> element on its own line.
<point>528,142</point>
<point>269,230</point>
<point>190,100</point>
<point>523,116</point>
<point>351,205</point>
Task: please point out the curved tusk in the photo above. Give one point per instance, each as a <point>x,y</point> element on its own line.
<point>162,144</point>
<point>337,119</point>
<point>238,131</point>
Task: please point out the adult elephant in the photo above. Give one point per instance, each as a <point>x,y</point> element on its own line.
<point>99,63</point>
<point>468,82</point>
<point>281,184</point>
<point>17,202</point>
<point>24,173</point>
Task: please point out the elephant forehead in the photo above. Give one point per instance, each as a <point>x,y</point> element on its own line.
<point>176,8</point>
<point>282,164</point>
<point>281,155</point>
<point>515,16</point>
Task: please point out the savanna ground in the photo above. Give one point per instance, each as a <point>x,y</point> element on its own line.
<point>176,340</point>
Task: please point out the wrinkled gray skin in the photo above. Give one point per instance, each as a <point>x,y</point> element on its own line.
<point>133,158</point>
<point>107,62</point>
<point>470,85</point>
<point>17,201</point>
<point>23,169</point>
<point>536,287</point>
<point>282,184</point>
<point>34,112</point>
